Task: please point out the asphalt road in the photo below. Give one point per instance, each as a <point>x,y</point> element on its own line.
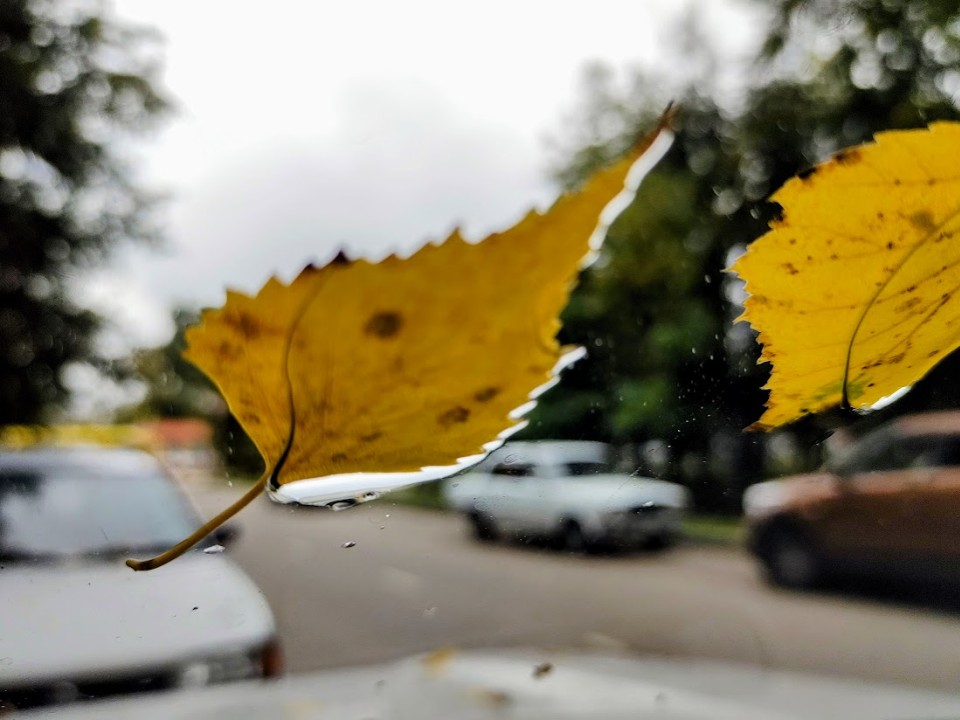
<point>380,582</point>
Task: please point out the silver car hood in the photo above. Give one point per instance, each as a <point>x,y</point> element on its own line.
<point>532,685</point>
<point>81,619</point>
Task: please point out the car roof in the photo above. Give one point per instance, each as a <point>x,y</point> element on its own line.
<point>548,451</point>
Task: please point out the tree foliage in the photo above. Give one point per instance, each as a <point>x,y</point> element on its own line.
<point>656,313</point>
<point>73,86</point>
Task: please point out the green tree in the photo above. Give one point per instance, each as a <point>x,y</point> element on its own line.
<point>73,86</point>
<point>176,388</point>
<point>656,311</point>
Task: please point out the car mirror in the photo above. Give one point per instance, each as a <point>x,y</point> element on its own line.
<point>225,534</point>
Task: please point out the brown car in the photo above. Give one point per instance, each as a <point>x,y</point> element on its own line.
<point>888,505</point>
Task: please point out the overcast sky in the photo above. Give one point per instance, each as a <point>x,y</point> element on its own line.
<point>373,126</point>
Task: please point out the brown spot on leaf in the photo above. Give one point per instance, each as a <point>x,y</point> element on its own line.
<point>848,156</point>
<point>227,351</point>
<point>453,416</point>
<point>338,457</point>
<point>908,304</point>
<point>486,394</point>
<point>807,173</point>
<point>244,324</point>
<point>384,324</point>
<point>371,436</point>
<point>922,220</point>
<point>790,268</point>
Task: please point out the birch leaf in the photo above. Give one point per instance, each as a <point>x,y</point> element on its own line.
<point>854,289</point>
<point>406,363</point>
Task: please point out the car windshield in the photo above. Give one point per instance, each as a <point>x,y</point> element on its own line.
<point>512,328</point>
<point>71,511</point>
<point>579,469</point>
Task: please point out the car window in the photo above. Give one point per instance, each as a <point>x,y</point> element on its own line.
<point>71,511</point>
<point>874,453</point>
<point>930,451</point>
<point>513,470</point>
<point>578,469</point>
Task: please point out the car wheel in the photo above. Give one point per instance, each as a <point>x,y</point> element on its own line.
<point>790,561</point>
<point>572,538</point>
<point>658,543</point>
<point>484,529</point>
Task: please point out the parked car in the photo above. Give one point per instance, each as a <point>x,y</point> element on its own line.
<point>889,505</point>
<point>77,623</point>
<point>568,493</point>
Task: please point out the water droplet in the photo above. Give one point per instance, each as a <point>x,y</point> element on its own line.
<point>214,549</point>
<point>386,515</point>
<point>430,612</point>
<point>348,544</point>
<point>230,483</point>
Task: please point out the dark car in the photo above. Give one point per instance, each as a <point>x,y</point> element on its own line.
<point>76,622</point>
<point>888,506</point>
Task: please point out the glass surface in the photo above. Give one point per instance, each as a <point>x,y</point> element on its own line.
<point>65,512</point>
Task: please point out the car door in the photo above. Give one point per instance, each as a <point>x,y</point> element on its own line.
<point>511,498</point>
<point>873,515</point>
<point>935,500</point>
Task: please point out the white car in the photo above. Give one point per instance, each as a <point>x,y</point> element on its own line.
<point>78,623</point>
<point>565,491</point>
<point>504,684</point>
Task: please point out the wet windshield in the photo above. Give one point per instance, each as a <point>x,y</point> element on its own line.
<point>464,307</point>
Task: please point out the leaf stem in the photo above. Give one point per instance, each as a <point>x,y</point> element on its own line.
<point>200,533</point>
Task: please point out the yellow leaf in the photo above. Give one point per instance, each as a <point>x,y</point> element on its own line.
<point>853,290</point>
<point>394,366</point>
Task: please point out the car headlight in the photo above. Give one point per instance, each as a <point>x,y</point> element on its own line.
<point>265,661</point>
<point>194,674</point>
